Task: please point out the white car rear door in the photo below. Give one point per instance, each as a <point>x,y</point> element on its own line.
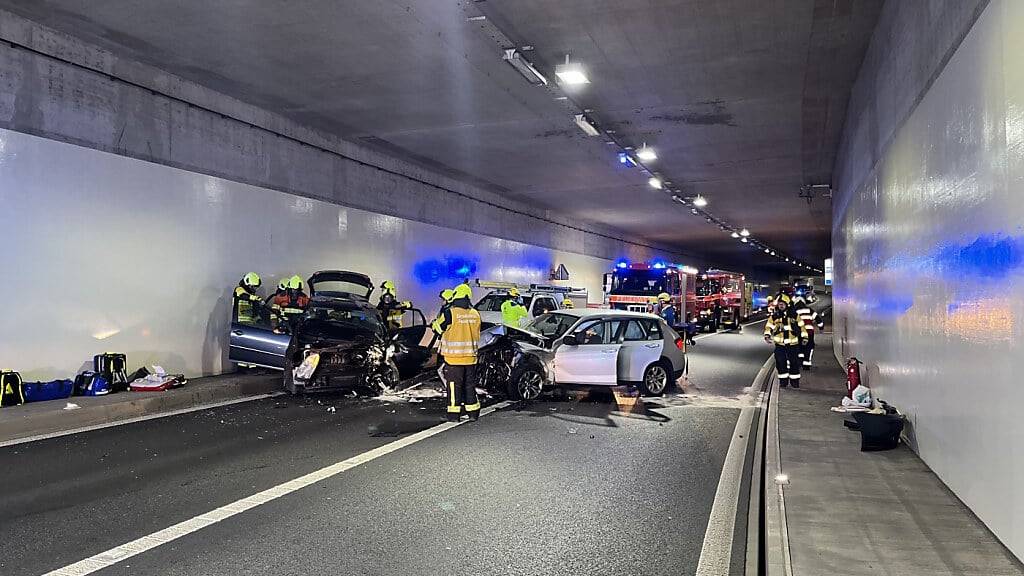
<point>594,360</point>
<point>641,346</point>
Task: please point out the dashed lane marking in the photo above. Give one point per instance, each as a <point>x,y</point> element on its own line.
<point>171,533</point>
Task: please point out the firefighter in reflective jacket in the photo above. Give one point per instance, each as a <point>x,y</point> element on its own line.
<point>460,336</point>
<point>247,306</point>
<point>446,295</point>
<point>787,332</point>
<point>512,310</point>
<point>389,306</point>
<point>810,320</point>
<point>567,303</point>
<point>291,304</point>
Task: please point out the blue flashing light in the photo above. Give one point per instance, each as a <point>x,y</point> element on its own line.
<point>626,160</point>
<point>622,264</point>
<point>658,265</point>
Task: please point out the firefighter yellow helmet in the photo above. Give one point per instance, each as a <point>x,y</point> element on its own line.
<point>513,292</point>
<point>283,284</point>
<point>295,282</point>
<point>664,297</point>
<point>448,294</point>
<point>462,291</point>
<point>388,286</point>
<point>252,280</point>
<point>567,303</point>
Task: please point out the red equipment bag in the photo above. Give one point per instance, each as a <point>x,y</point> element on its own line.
<point>852,375</point>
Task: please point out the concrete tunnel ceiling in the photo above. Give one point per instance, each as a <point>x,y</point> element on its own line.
<point>744,100</point>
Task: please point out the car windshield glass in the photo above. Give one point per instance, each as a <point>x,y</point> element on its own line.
<point>490,303</point>
<point>551,325</point>
<point>336,288</point>
<point>340,323</point>
<point>640,282</point>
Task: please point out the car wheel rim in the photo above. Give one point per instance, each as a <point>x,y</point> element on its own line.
<point>529,385</point>
<point>656,379</point>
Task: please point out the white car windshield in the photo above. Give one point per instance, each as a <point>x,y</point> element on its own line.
<point>551,325</point>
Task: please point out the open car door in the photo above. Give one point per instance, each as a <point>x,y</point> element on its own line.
<point>411,352</point>
<point>340,284</point>
<point>257,345</point>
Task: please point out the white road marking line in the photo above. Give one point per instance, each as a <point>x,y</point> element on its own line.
<point>716,552</point>
<point>728,331</point>
<point>171,533</point>
<point>137,419</point>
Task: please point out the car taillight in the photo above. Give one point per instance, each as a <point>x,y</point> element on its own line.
<point>679,343</point>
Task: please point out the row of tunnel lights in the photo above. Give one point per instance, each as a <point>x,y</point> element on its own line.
<point>573,74</point>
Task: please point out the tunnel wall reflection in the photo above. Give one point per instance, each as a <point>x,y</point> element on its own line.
<point>102,252</point>
<point>929,252</point>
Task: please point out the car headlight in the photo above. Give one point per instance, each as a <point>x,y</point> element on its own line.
<point>308,366</point>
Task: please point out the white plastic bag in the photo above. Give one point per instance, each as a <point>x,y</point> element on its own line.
<point>861,397</point>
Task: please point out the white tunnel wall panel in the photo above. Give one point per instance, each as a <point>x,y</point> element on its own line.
<point>116,254</point>
<point>930,273</point>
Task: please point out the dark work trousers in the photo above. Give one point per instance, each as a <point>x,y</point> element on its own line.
<point>807,350</point>
<point>787,362</point>
<point>460,383</point>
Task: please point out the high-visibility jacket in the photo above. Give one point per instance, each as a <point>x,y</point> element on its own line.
<point>785,329</point>
<point>461,336</point>
<point>247,306</point>
<point>809,318</point>
<point>512,313</point>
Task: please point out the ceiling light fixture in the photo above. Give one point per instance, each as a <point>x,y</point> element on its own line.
<point>571,73</point>
<point>700,201</point>
<point>744,240</point>
<point>646,153</point>
<point>524,67</point>
<point>655,182</point>
<point>626,159</point>
<point>744,232</point>
<point>586,125</point>
<point>735,234</point>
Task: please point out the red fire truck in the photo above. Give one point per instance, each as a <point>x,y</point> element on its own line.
<point>636,287</point>
<point>722,300</point>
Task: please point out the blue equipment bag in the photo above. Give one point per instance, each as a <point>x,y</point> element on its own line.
<point>11,391</point>
<point>54,390</point>
<point>91,384</point>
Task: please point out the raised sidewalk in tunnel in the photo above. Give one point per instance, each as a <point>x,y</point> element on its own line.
<point>849,512</point>
<point>33,420</point>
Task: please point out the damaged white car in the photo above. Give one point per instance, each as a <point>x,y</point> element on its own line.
<point>582,347</point>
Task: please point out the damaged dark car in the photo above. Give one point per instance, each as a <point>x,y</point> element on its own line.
<point>340,342</point>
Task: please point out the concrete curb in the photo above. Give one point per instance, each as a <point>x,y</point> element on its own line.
<point>778,559</point>
<point>30,420</point>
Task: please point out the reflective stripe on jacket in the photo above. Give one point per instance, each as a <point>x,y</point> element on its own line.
<point>785,330</point>
<point>808,317</point>
<point>461,337</point>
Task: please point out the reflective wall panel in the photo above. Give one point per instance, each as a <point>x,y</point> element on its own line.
<point>930,272</point>
<point>101,252</point>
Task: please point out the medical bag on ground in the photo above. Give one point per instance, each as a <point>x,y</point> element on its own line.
<point>91,384</point>
<point>157,382</point>
<point>11,391</point>
<point>53,390</point>
<point>114,369</point>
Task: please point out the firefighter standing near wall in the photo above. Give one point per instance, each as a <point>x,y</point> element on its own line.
<point>512,310</point>
<point>446,296</point>
<point>787,332</point>
<point>390,307</point>
<point>567,303</point>
<point>246,304</point>
<point>292,304</point>
<point>810,320</point>
<point>460,337</point>
<point>276,300</point>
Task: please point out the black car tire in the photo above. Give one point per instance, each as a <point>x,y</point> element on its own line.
<point>289,378</point>
<point>657,379</point>
<point>526,382</point>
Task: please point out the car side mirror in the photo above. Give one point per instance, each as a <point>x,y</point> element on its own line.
<point>570,340</point>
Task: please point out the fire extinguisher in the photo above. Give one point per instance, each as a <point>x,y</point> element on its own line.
<point>852,375</point>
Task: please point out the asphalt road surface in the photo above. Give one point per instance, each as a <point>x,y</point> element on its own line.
<point>559,486</point>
